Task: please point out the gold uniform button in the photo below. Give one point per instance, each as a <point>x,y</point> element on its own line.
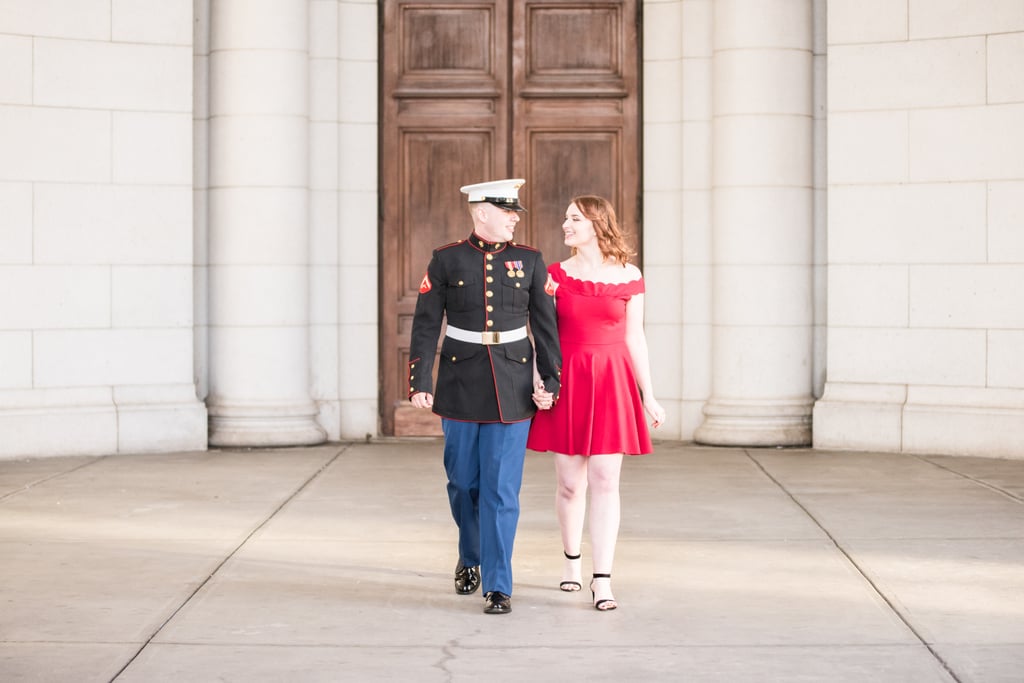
<point>490,267</point>
<point>490,293</point>
<point>453,359</point>
<point>517,284</point>
<point>490,309</point>
<point>461,283</point>
<point>480,242</point>
<point>412,377</point>
<point>490,279</point>
<point>490,323</point>
<point>490,257</point>
<point>497,245</point>
<point>524,360</point>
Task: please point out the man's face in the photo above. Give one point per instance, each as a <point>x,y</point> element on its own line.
<point>496,224</point>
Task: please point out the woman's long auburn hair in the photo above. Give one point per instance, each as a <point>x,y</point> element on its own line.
<point>610,239</point>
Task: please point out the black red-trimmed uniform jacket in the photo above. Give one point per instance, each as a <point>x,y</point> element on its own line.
<point>469,282</point>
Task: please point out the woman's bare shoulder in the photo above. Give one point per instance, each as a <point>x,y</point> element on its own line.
<point>632,272</point>
<point>624,273</point>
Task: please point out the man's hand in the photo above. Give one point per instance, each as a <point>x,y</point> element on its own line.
<point>422,399</point>
<point>541,398</point>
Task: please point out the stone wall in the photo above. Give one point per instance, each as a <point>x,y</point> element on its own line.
<point>96,299</point>
<point>926,227</point>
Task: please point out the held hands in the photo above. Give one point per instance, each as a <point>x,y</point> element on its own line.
<point>655,410</point>
<point>542,398</point>
<point>422,399</point>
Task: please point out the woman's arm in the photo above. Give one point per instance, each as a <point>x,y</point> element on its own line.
<point>636,342</point>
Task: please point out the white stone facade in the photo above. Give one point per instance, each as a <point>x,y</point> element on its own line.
<point>833,204</point>
<point>925,227</point>
<point>96,230</point>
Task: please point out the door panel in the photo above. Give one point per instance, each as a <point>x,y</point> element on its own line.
<point>444,124</point>
<point>480,90</point>
<point>575,111</point>
<point>562,165</point>
<point>432,159</point>
<point>564,48</point>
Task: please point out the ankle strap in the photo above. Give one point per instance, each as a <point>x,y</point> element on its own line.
<point>602,576</point>
<point>572,557</point>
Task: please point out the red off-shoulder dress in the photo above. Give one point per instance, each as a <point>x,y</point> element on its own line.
<point>599,408</point>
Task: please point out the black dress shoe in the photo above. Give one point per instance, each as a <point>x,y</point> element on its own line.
<point>497,603</point>
<point>467,579</point>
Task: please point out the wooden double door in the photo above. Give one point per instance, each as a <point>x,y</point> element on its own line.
<point>476,90</point>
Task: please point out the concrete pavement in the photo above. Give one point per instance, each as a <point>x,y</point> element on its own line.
<point>334,564</point>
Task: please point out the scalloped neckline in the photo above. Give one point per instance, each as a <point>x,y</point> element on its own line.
<point>596,282</point>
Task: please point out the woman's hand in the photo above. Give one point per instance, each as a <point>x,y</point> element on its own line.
<point>655,410</point>
<point>542,398</point>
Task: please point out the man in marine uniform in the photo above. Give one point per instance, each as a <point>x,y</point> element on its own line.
<point>490,380</point>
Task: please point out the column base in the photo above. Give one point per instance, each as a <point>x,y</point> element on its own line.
<point>264,426</point>
<point>61,421</point>
<point>756,423</point>
<point>971,421</point>
<point>853,416</point>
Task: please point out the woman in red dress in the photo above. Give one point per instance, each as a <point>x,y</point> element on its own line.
<point>606,388</point>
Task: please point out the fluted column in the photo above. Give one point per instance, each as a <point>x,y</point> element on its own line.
<point>259,232</point>
<point>762,240</point>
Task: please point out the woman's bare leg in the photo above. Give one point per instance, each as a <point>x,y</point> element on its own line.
<point>571,507</point>
<point>603,474</point>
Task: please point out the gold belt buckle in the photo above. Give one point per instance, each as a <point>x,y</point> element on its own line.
<point>489,338</point>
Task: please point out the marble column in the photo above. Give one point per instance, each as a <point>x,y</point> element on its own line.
<point>762,243</point>
<point>259,225</point>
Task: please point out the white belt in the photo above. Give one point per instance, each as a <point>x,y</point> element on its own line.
<point>486,338</point>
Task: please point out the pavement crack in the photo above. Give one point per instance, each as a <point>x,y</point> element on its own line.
<point>202,584</point>
<point>447,656</point>
<point>853,563</point>
<point>55,475</point>
<point>980,482</point>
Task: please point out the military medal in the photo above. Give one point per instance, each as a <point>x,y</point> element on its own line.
<point>520,273</point>
<point>515,268</point>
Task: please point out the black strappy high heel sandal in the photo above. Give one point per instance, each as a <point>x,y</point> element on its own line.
<point>605,604</point>
<point>571,586</point>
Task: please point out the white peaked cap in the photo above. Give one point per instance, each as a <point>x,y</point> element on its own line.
<point>501,193</point>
